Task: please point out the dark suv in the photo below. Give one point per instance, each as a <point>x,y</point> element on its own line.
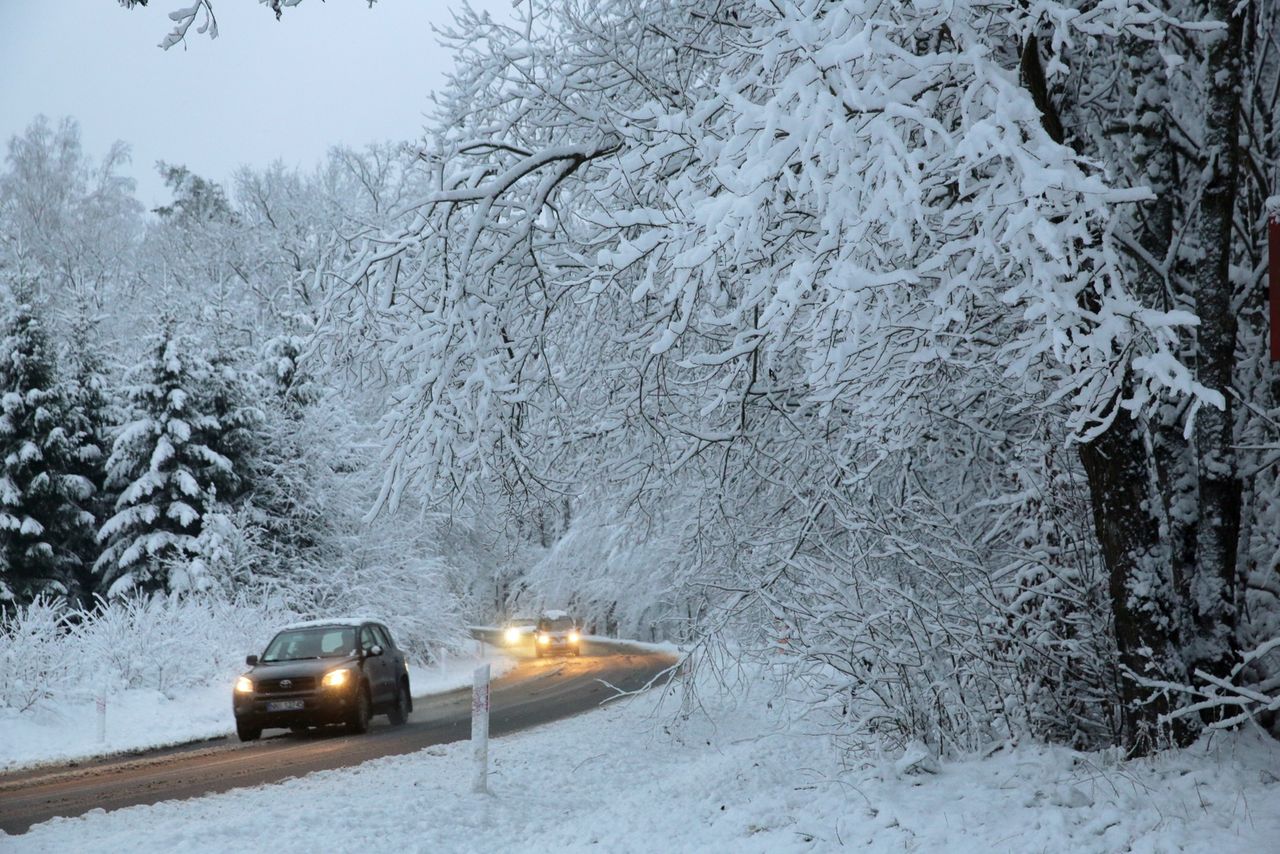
<point>323,672</point>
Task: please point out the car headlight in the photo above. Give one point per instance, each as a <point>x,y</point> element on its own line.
<point>573,637</point>
<point>511,635</point>
<point>544,638</point>
<point>244,685</point>
<point>336,678</point>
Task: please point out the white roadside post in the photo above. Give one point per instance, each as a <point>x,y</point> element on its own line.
<point>480,729</point>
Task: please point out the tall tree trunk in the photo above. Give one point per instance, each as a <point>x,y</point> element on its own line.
<point>1214,588</point>
<point>1144,600</point>
<point>1152,162</point>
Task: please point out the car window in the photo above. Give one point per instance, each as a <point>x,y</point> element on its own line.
<point>383,636</point>
<point>367,639</point>
<point>326,642</point>
<point>560,624</point>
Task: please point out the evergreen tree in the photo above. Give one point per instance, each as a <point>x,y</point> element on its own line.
<point>293,465</point>
<point>230,396</point>
<point>167,470</point>
<point>282,370</point>
<point>44,520</point>
<point>89,416</point>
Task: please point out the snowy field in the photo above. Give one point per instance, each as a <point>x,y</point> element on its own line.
<point>140,718</point>
<point>633,777</point>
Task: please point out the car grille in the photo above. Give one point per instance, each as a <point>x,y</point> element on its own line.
<point>297,683</point>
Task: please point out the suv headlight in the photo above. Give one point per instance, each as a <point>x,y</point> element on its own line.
<point>574,637</point>
<point>336,678</point>
<point>511,635</point>
<point>543,637</point>
<point>244,685</point>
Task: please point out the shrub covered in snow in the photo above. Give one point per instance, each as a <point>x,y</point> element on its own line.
<point>53,652</point>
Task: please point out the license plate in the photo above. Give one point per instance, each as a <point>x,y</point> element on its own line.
<point>285,706</point>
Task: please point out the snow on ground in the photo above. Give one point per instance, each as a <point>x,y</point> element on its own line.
<point>141,718</point>
<point>633,777</point>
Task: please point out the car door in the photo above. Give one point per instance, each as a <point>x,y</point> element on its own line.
<point>375,666</point>
<point>395,658</point>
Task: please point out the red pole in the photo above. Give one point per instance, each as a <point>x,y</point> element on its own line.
<point>1273,246</point>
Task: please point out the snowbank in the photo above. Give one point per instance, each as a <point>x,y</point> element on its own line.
<point>633,776</point>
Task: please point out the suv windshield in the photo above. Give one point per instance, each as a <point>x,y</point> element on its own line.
<point>560,624</point>
<point>295,644</point>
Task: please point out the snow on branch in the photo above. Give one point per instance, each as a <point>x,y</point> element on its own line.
<point>183,20</point>
<point>185,17</point>
<point>1222,695</point>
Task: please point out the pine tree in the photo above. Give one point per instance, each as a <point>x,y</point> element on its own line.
<point>230,394</point>
<point>282,370</point>
<point>292,468</point>
<point>89,415</point>
<point>43,494</point>
<point>166,468</point>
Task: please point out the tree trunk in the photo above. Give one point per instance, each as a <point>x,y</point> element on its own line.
<point>1143,595</point>
<point>1213,589</point>
<point>1127,511</point>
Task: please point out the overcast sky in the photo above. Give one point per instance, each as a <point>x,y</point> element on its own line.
<point>327,73</point>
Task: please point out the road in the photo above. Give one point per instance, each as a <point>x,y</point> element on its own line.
<point>535,692</point>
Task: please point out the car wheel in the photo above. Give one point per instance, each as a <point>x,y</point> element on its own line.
<point>359,720</point>
<point>399,713</point>
<point>248,733</point>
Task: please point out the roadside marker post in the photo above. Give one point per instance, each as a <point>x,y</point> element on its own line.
<point>480,729</point>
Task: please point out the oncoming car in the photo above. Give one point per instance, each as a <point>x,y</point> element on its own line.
<point>339,671</point>
<point>518,630</point>
<point>557,633</point>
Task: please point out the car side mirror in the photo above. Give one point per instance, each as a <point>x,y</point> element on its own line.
<point>375,650</point>
<point>251,660</point>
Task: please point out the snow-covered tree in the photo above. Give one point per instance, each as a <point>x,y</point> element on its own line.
<point>231,394</point>
<point>44,496</point>
<point>69,220</point>
<point>90,412</point>
<point>164,464</point>
<point>823,268</point>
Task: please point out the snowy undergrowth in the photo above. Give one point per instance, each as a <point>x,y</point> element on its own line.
<point>53,655</point>
<point>635,776</point>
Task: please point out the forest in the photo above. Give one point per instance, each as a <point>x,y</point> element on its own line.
<point>925,342</point>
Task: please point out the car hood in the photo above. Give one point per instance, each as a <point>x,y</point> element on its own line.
<point>305,667</point>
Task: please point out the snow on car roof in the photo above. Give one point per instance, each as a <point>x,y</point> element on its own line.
<point>354,622</point>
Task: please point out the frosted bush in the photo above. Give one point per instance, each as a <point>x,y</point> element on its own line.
<point>168,643</point>
<point>34,654</point>
<point>53,654</point>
